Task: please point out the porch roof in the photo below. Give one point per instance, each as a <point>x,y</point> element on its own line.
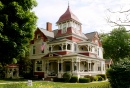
<point>54,55</point>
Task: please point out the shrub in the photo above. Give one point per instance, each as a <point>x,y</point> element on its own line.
<point>103,76</point>
<point>95,78</point>
<point>58,80</point>
<point>74,79</point>
<point>91,77</point>
<point>107,75</point>
<point>55,79</point>
<point>61,79</point>
<point>119,74</point>
<point>67,76</point>
<point>100,78</point>
<point>84,80</point>
<point>28,75</point>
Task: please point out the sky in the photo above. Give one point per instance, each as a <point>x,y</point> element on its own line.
<point>92,14</point>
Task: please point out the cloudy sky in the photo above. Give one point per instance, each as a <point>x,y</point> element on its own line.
<point>91,13</point>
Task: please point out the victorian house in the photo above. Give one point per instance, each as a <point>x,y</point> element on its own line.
<point>66,49</point>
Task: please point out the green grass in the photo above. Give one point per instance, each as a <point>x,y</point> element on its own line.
<point>44,84</point>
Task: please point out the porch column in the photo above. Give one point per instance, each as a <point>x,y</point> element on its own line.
<point>58,65</point>
<point>61,66</point>
<point>88,47</point>
<point>90,66</point>
<point>66,46</point>
<point>94,66</point>
<point>79,65</point>
<point>72,69</point>
<point>101,66</point>
<point>47,66</point>
<point>62,47</point>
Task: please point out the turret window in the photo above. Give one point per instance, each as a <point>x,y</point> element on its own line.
<point>64,28</point>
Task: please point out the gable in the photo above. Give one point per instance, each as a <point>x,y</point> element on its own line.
<point>96,39</point>
<point>38,34</point>
<point>90,36</point>
<point>52,55</point>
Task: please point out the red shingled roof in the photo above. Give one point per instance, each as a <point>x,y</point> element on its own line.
<point>67,16</point>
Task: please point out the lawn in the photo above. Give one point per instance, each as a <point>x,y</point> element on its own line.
<point>45,84</point>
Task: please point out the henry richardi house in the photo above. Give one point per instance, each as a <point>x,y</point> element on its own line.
<point>66,49</point>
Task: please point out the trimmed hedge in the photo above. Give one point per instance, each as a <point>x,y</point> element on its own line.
<point>91,77</point>
<point>84,80</point>
<point>100,78</point>
<point>95,78</point>
<point>58,79</point>
<point>67,76</point>
<point>74,79</point>
<point>28,76</point>
<point>103,76</point>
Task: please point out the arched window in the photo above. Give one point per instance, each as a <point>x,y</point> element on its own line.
<point>68,47</point>
<point>83,48</point>
<point>57,47</point>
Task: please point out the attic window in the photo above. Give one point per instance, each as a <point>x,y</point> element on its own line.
<point>38,36</point>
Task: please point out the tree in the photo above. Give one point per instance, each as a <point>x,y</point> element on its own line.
<point>116,44</point>
<point>119,74</point>
<point>17,25</point>
<point>25,66</point>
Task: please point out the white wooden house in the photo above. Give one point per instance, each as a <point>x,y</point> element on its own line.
<point>66,49</point>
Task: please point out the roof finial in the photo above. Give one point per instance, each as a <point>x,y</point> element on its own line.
<point>68,3</point>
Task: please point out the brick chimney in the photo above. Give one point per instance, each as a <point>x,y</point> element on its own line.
<point>49,26</point>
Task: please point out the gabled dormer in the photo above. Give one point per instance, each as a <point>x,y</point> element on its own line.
<point>68,19</point>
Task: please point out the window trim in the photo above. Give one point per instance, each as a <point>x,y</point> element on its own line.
<point>34,50</point>
<point>39,66</point>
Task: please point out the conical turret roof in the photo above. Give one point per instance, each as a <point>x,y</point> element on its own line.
<point>67,16</point>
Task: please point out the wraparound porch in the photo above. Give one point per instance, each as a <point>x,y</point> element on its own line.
<point>56,68</point>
